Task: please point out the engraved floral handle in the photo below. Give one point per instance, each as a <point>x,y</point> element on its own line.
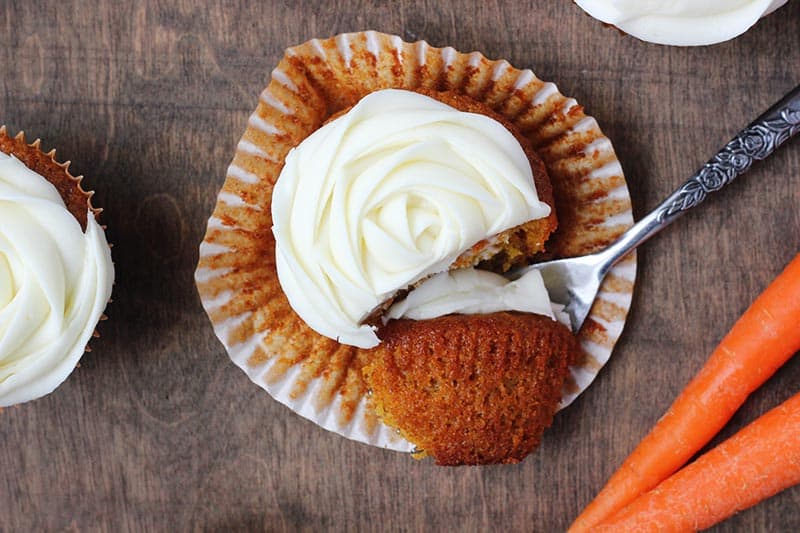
<point>754,143</point>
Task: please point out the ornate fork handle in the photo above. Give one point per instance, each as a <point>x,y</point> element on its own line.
<point>754,143</point>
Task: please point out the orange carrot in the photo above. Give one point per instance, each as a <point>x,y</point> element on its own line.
<point>762,340</point>
<point>758,462</point>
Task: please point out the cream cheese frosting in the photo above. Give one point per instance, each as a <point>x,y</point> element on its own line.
<point>390,193</point>
<point>55,281</point>
<point>681,22</point>
<point>471,291</point>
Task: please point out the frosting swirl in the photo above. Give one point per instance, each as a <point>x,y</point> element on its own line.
<point>386,195</point>
<point>681,22</point>
<point>55,281</point>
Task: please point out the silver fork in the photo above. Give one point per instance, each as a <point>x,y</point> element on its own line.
<point>575,281</point>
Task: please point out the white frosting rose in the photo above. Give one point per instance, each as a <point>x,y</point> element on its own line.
<point>681,22</point>
<point>386,195</point>
<point>55,281</point>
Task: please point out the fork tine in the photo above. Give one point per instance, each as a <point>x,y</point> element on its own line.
<point>572,282</point>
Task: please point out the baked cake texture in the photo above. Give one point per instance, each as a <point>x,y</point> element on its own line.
<point>471,389</point>
<point>56,272</point>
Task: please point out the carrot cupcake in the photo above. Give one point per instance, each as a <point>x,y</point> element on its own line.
<point>373,177</point>
<point>55,271</point>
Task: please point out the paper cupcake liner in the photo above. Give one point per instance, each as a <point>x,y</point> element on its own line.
<point>236,277</point>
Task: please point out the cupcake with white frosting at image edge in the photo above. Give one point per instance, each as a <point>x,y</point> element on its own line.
<point>682,22</point>
<point>307,260</point>
<point>56,272</point>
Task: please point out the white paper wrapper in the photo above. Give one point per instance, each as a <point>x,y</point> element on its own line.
<point>316,377</point>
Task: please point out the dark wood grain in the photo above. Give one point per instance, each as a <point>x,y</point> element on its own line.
<point>158,430</point>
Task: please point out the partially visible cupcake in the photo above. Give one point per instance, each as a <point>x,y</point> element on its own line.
<point>56,272</point>
<point>696,23</point>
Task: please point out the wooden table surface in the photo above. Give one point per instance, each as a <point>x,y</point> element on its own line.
<point>158,430</point>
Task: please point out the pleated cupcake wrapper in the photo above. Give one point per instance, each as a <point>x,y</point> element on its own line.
<point>236,277</point>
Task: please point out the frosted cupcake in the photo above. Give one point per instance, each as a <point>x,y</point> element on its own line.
<point>56,272</point>
<point>681,23</point>
<point>291,348</point>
